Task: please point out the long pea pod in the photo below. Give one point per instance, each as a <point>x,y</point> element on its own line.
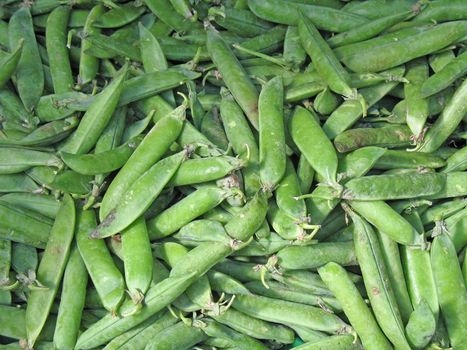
<point>287,192</point>
<point>417,106</point>
<point>15,160</point>
<point>118,17</point>
<point>9,62</point>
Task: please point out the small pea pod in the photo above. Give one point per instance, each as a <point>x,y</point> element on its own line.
<point>294,53</point>
<point>457,161</point>
<point>12,322</point>
<point>9,62</point>
<point>50,270</point>
<point>421,326</point>
<point>305,174</point>
<point>118,17</point>
<point>416,105</point>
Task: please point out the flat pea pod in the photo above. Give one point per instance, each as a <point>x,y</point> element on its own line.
<point>421,326</point>
<point>29,74</point>
<point>139,196</point>
<point>316,255</point>
<point>455,186</point>
<point>337,342</point>
<point>324,60</point>
<point>286,193</point>
<point>380,293</point>
<point>272,157</point>
<point>56,106</point>
<point>12,325</point>
<point>153,146</point>
<point>65,181</point>
<point>439,60</point>
<point>386,219</point>
<point>15,160</point>
<point>75,280</point>
<point>457,161</point>
<point>305,174</point>
<point>398,186</point>
<point>88,64</point>
<point>50,269</point>
<point>103,162</point>
<point>393,159</point>
<point>166,13</point>
<point>118,17</point>
<point>24,226</point>
<point>12,109</point>
<point>96,117</point>
<point>57,52</point>
<point>293,53</point>
<point>388,136</point>
<point>314,144</point>
<point>398,52</point>
<point>280,311</point>
<point>234,76</point>
<point>137,259</point>
<point>446,76</point>
<point>105,276</point>
<point>417,106</point>
<point>451,288</point>
<point>355,308</point>
<point>9,62</point>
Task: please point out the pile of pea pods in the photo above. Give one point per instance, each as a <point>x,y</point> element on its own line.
<point>233,174</point>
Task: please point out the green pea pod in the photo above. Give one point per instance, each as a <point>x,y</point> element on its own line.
<point>29,74</point>
<point>439,60</point>
<point>194,233</point>
<point>272,158</point>
<point>451,288</point>
<point>211,127</point>
<point>455,186</point>
<point>305,174</point>
<point>438,12</point>
<point>15,160</point>
<point>394,159</point>
<point>325,102</point>
<point>5,263</point>
<point>268,42</point>
<point>66,181</point>
<point>12,109</point>
<point>166,13</point>
<point>421,326</point>
<point>105,276</point>
<point>72,299</point>
<point>286,226</point>
<point>234,75</point>
<point>9,62</point>
<point>179,336</point>
<point>50,270</point>
<point>118,17</point>
<point>56,41</point>
<point>457,161</point>
<point>17,183</point>
<point>294,53</point>
<point>13,321</point>
<point>416,105</point>
<point>96,117</point>
<point>58,106</point>
<point>441,211</point>
<point>306,132</point>
<point>383,301</point>
<point>137,259</point>
<point>286,193</point>
<point>337,342</point>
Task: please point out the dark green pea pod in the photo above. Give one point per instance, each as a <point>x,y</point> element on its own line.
<point>286,227</point>
<point>103,46</point>
<point>293,53</point>
<point>58,106</point>
<point>12,109</point>
<point>263,246</point>
<point>268,42</point>
<point>5,263</point>
<point>9,62</point>
<point>439,60</point>
<point>118,17</point>
<point>212,128</point>
<point>43,204</point>
<point>66,181</point>
<point>12,322</point>
<point>15,160</point>
<point>167,14</point>
<point>18,183</point>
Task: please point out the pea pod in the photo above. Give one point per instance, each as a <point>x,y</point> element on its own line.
<point>457,161</point>
<point>8,63</point>
<point>335,342</point>
<point>393,159</point>
<point>416,105</point>
<point>294,53</point>
<point>455,186</point>
<point>164,10</point>
<point>421,326</point>
<point>15,160</point>
<point>13,319</point>
<point>118,17</point>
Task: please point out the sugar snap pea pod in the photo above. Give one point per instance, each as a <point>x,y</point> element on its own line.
<point>301,92</point>
<point>195,171</point>
<point>387,136</point>
<point>455,226</point>
<point>24,226</point>
<point>388,187</point>
<point>72,300</point>
<point>320,154</point>
<point>337,342</point>
<point>167,14</point>
<point>450,286</point>
<point>457,161</point>
<point>287,190</point>
<point>272,158</point>
<point>233,75</point>
<point>154,145</point>
<point>286,226</point>
<point>104,46</point>
<point>324,60</point>
<point>139,196</point>
<point>96,117</point>
<point>355,308</point>
<point>316,255</point>
<point>186,210</point>
<point>104,274</point>
<point>293,53</point>
<point>392,159</point>
<point>398,52</point>
<point>280,311</point>
<point>455,186</point>
<point>325,18</point>
<point>50,270</point>
<point>9,62</point>
<point>178,336</point>
<point>103,162</point>
<point>137,259</point>
<point>12,325</point>
<point>29,74</point>
<point>268,42</point>
<point>118,17</point>
<point>15,160</point>
<point>417,107</point>
<point>380,293</point>
<point>56,41</point>
<point>421,326</point>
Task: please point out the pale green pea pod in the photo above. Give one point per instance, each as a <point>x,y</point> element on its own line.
<point>325,102</point>
<point>336,342</point>
<point>200,231</point>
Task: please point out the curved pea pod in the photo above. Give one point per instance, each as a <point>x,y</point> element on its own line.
<point>389,187</point>
<point>293,53</point>
<point>234,75</point>
<point>395,159</point>
<point>325,102</point>
<point>9,62</point>
<point>265,43</point>
<point>324,60</point>
<point>103,162</point>
<point>446,76</point>
<point>186,210</point>
<point>118,17</point>
<point>66,181</point>
<point>286,227</point>
<point>263,246</point>
<point>96,117</point>
<point>221,282</point>
<point>29,74</point>
<point>441,211</point>
<point>139,196</point>
<point>105,276</point>
<point>380,293</point>
<point>300,92</point>
<point>455,226</point>
<point>137,259</point>
<point>387,136</point>
<point>202,231</point>
<point>451,288</point>
<point>212,128</point>
<point>325,18</point>
<point>421,326</point>
<point>164,10</point>
<point>455,186</point>
<point>447,122</point>
<point>417,106</point>
<point>314,144</point>
<point>15,160</point>
<point>50,270</point>
<point>272,158</point>
<point>75,280</point>
<point>316,255</point>
<point>280,311</point>
<point>457,161</point>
